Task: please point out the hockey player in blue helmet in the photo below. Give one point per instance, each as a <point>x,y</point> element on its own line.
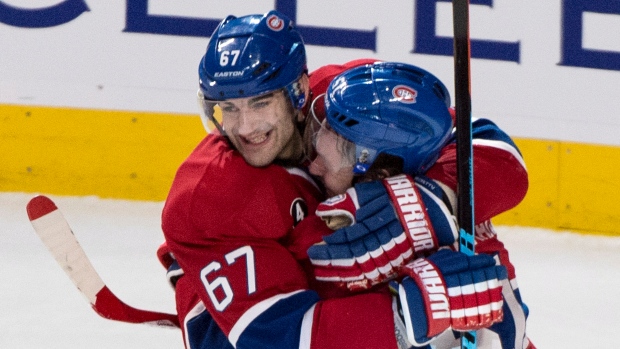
<point>393,121</point>
<point>253,62</point>
<point>238,217</point>
<point>382,111</point>
<point>237,225</point>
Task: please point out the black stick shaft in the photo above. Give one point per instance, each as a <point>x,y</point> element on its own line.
<point>464,157</point>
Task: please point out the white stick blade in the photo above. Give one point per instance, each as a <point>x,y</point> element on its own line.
<point>54,231</point>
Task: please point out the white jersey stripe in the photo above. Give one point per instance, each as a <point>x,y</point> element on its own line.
<point>500,145</point>
<point>305,336</point>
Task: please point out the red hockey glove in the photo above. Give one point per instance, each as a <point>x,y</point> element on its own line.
<point>393,221</point>
<point>339,211</point>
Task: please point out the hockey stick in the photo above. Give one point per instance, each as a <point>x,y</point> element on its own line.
<point>54,231</point>
<point>464,151</point>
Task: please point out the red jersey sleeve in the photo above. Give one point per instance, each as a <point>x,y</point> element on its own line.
<point>500,175</point>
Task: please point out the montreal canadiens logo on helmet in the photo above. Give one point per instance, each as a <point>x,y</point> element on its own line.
<point>405,94</point>
<point>275,23</point>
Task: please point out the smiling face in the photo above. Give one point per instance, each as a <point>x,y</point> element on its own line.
<point>262,128</point>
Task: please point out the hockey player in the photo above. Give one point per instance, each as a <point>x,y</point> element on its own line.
<point>378,119</point>
<point>236,218</point>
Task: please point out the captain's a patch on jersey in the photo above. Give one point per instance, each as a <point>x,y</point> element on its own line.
<point>299,210</point>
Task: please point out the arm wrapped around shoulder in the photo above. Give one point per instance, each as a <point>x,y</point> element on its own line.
<point>166,258</point>
<point>450,290</point>
<point>390,222</point>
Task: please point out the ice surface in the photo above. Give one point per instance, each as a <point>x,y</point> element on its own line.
<point>571,282</point>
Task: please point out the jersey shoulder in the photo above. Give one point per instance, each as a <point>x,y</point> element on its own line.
<point>322,76</point>
<point>215,191</point>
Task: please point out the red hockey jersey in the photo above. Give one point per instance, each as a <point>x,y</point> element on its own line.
<point>240,234</point>
<point>231,228</point>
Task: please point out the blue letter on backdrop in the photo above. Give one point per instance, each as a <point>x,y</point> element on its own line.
<point>573,53</point>
<point>349,38</point>
<point>426,41</point>
<point>52,16</point>
<point>139,21</point>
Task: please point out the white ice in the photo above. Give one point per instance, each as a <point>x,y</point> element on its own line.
<point>571,282</point>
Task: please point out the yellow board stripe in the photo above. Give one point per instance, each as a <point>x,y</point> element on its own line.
<point>573,186</point>
<point>134,155</point>
<point>111,154</point>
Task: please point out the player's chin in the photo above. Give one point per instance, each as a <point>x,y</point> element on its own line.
<point>334,186</point>
<point>259,159</point>
<point>258,155</point>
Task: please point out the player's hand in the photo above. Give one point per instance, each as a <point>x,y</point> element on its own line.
<point>392,222</point>
<point>166,258</point>
<point>339,211</point>
<point>450,290</point>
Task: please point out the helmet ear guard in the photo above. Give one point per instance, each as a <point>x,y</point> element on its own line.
<point>297,94</point>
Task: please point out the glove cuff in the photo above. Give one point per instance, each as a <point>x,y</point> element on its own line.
<point>424,300</point>
<point>339,211</point>
<point>411,212</point>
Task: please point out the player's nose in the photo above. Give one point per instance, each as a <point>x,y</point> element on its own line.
<point>248,122</point>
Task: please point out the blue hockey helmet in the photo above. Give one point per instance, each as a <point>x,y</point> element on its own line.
<point>253,55</point>
<point>391,108</point>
